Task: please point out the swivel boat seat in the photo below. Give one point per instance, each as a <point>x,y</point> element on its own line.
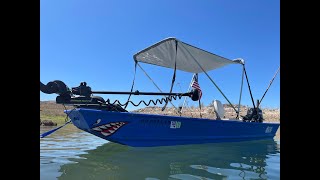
<point>218,109</point>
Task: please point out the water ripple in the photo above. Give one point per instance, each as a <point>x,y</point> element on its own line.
<point>73,154</point>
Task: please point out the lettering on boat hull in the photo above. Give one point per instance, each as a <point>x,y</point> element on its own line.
<point>175,124</point>
<point>268,129</point>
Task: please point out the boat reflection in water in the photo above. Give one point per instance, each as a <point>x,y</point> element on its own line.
<point>240,160</point>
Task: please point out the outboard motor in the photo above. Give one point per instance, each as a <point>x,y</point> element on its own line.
<point>253,115</point>
<point>82,96</point>
<point>56,86</point>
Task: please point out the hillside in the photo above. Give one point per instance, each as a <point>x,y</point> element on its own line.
<point>49,110</point>
<point>270,115</point>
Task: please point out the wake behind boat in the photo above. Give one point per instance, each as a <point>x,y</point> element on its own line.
<point>111,121</point>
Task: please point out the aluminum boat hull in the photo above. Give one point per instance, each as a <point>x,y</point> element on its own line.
<point>144,130</point>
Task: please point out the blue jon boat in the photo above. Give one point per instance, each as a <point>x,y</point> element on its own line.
<point>136,129</point>
<point>111,121</point>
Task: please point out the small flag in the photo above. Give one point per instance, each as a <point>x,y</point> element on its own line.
<point>196,85</point>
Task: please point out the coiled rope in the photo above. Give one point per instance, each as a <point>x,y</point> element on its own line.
<point>160,101</point>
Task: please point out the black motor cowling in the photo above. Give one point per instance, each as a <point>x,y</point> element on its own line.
<point>253,115</point>
<point>195,94</point>
<point>56,86</point>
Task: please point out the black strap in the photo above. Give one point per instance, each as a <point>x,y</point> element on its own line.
<point>197,80</point>
<point>238,113</point>
<point>134,77</point>
<point>245,72</point>
<point>174,74</point>
<point>200,108</point>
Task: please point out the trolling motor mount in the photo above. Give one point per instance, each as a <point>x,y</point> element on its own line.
<point>82,90</point>
<point>65,95</point>
<point>84,96</point>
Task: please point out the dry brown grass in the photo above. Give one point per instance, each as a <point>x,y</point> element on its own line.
<point>49,110</point>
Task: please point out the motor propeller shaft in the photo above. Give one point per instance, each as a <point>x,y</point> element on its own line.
<point>84,92</point>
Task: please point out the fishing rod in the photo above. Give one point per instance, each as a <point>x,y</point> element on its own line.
<point>269,86</point>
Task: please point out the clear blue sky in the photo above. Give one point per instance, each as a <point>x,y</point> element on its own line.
<point>94,41</point>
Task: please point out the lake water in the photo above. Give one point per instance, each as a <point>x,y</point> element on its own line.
<point>70,153</point>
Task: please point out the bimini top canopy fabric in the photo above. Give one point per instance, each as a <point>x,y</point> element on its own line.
<point>188,58</point>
